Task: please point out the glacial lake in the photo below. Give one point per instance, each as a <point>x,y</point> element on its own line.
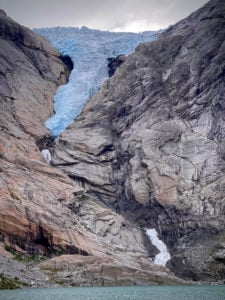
<point>216,292</point>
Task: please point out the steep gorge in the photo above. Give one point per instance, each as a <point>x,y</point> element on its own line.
<point>146,152</point>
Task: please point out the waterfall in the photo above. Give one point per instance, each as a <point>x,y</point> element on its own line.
<point>47,155</point>
<point>163,256</point>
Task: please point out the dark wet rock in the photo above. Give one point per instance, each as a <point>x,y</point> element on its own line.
<point>114,63</point>
<point>68,62</point>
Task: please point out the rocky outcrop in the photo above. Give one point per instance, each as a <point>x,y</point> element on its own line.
<point>150,144</point>
<point>75,270</point>
<point>114,63</point>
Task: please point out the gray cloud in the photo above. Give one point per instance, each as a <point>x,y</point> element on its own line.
<point>127,15</point>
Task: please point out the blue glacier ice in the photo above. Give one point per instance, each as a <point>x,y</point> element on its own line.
<point>89,50</point>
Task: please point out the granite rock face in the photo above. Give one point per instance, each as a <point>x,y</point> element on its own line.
<point>75,270</point>
<point>150,144</point>
<point>42,210</point>
<point>33,196</point>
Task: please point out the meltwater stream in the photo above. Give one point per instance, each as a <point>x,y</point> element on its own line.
<point>163,256</point>
<point>89,50</point>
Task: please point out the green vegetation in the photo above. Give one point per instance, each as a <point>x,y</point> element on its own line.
<point>7,283</point>
<point>27,258</point>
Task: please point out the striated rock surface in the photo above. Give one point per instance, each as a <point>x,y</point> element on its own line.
<point>42,210</point>
<point>150,144</point>
<point>34,215</point>
<point>75,270</point>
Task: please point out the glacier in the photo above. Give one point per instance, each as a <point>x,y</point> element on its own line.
<point>163,256</point>
<point>89,50</point>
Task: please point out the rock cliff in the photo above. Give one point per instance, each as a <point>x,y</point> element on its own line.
<point>32,194</point>
<point>42,209</point>
<point>150,145</point>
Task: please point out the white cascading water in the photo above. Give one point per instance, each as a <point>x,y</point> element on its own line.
<point>163,256</point>
<point>47,155</point>
<point>89,50</point>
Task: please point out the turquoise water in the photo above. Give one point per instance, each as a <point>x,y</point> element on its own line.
<point>119,293</point>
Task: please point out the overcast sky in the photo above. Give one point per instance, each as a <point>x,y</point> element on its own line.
<point>115,15</point>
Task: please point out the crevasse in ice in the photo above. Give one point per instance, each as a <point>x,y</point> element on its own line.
<point>89,50</point>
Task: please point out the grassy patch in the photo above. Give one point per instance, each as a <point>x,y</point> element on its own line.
<point>7,283</point>
<point>27,258</point>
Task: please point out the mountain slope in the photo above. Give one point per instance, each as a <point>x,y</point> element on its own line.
<point>42,210</point>
<point>150,144</point>
<point>31,193</point>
